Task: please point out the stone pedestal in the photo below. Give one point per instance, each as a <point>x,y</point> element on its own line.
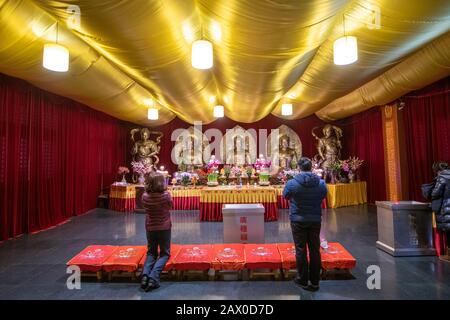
<point>405,228</point>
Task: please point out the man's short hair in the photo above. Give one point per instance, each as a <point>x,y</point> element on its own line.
<point>305,164</point>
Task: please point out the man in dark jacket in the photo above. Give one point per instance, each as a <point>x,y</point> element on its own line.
<point>441,194</point>
<point>305,193</point>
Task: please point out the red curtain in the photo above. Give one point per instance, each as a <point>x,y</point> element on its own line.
<point>363,138</point>
<point>55,156</point>
<point>427,126</point>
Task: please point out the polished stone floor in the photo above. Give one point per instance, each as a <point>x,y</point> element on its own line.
<point>33,266</point>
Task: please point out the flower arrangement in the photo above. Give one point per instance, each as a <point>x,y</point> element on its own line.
<point>236,171</point>
<point>345,165</point>
<point>185,178</point>
<point>335,166</point>
<point>141,168</point>
<point>123,170</point>
<point>354,163</point>
<point>249,171</point>
<point>213,164</point>
<point>262,163</point>
<point>226,171</point>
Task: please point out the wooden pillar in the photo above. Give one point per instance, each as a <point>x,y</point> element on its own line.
<point>394,153</point>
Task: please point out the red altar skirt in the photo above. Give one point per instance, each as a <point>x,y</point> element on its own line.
<point>186,203</point>
<point>262,256</point>
<point>122,204</point>
<point>212,211</point>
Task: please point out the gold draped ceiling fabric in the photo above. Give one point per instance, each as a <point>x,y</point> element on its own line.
<point>265,53</point>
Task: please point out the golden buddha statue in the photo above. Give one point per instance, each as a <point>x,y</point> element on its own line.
<point>288,156</point>
<point>146,150</point>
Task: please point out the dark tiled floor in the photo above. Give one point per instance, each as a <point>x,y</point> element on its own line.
<point>33,266</point>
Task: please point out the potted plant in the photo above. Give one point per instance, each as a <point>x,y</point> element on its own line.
<point>141,168</point>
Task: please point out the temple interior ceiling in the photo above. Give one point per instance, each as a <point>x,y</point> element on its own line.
<point>266,53</point>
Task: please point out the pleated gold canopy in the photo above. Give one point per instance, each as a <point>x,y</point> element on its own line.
<point>266,52</point>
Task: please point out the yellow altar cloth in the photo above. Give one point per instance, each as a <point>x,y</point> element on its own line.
<point>123,191</point>
<point>346,194</point>
<point>184,191</point>
<point>233,194</point>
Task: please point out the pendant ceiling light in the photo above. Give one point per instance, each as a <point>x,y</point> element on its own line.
<point>153,114</point>
<point>202,54</point>
<point>286,109</point>
<point>219,112</point>
<point>56,56</point>
<point>345,49</point>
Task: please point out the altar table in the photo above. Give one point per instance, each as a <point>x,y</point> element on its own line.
<point>212,199</point>
<point>122,197</point>
<point>346,194</point>
<point>185,198</point>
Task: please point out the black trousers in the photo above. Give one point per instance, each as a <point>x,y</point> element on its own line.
<point>307,235</point>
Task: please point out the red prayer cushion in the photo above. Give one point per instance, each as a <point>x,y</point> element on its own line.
<point>193,257</point>
<point>262,256</point>
<point>124,258</point>
<point>92,257</point>
<point>287,252</point>
<point>336,257</point>
<point>228,257</point>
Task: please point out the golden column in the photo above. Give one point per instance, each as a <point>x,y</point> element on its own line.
<point>394,153</point>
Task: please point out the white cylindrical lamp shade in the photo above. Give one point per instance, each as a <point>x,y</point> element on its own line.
<point>219,112</point>
<point>286,109</point>
<point>345,50</point>
<point>56,57</point>
<point>202,54</point>
<point>152,114</point>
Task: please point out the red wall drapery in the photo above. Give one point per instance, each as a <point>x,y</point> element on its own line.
<point>427,126</point>
<point>363,138</point>
<point>55,154</point>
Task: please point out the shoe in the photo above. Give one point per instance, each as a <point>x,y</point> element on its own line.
<point>300,284</point>
<point>313,288</point>
<point>144,282</point>
<point>152,285</point>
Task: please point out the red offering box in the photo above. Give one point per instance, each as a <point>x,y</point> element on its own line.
<point>337,257</point>
<point>194,257</point>
<point>262,256</point>
<point>287,252</point>
<point>174,249</point>
<point>124,258</point>
<point>228,257</point>
<point>92,258</point>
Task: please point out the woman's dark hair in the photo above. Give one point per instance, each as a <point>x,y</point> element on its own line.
<point>155,183</point>
<point>439,166</point>
<point>305,164</point>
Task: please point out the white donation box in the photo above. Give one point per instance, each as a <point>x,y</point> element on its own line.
<point>243,223</point>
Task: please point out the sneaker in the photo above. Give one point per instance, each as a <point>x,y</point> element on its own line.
<point>300,284</point>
